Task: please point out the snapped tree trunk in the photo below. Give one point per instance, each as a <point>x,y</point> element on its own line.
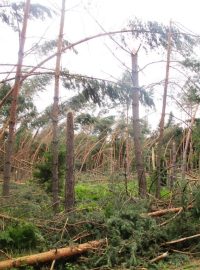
<point>162,120</point>
<point>69,186</point>
<point>185,150</point>
<point>13,109</point>
<point>55,113</point>
<point>136,129</point>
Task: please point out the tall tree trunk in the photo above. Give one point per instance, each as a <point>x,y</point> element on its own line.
<point>191,165</point>
<point>136,128</point>
<point>127,160</point>
<point>173,164</point>
<point>153,158</point>
<point>184,162</point>
<point>162,120</point>
<point>69,186</point>
<point>55,113</point>
<point>13,109</point>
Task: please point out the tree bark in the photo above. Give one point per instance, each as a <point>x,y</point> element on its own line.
<point>69,186</point>
<point>162,120</point>
<point>136,128</point>
<point>55,113</point>
<point>173,169</point>
<point>182,239</point>
<point>13,109</point>
<point>162,212</point>
<point>160,257</point>
<point>153,158</point>
<point>184,162</point>
<point>50,255</point>
<point>127,161</point>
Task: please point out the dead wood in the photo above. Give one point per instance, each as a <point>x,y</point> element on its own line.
<point>9,217</point>
<point>166,211</point>
<point>172,218</point>
<point>185,252</point>
<point>160,257</point>
<point>51,255</point>
<point>181,239</point>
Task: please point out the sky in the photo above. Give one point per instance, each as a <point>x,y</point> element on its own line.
<point>95,58</point>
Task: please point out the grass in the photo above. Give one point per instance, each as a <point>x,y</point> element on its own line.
<point>92,194</point>
<point>192,265</point>
<point>101,203</point>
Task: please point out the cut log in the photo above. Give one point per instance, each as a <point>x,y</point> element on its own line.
<point>51,255</point>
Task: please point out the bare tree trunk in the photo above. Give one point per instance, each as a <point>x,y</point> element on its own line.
<point>13,109</point>
<point>136,128</point>
<point>184,162</point>
<point>162,120</point>
<point>111,159</point>
<point>55,113</point>
<point>69,186</point>
<point>173,164</point>
<point>153,159</point>
<point>191,157</point>
<point>127,161</point>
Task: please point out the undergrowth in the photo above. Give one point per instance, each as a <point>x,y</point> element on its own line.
<point>102,211</point>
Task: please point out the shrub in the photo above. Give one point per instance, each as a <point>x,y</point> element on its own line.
<point>20,236</point>
<point>43,171</point>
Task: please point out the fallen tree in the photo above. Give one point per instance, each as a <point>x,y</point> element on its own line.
<point>162,212</point>
<point>51,255</point>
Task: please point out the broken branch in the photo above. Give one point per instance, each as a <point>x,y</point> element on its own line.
<point>166,211</point>
<point>160,257</point>
<point>181,239</point>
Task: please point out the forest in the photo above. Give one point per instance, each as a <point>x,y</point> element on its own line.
<point>106,175</point>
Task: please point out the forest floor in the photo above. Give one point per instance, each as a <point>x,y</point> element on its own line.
<point>192,265</point>
<point>102,210</point>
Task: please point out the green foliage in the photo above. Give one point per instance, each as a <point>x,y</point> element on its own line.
<point>50,45</point>
<point>196,142</point>
<point>196,209</point>
<point>133,237</point>
<point>12,14</point>
<point>154,35</point>
<point>192,63</point>
<point>27,200</point>
<point>26,109</point>
<point>130,236</point>
<point>125,86</point>
<point>43,170</point>
<point>85,119</point>
<point>165,193</point>
<point>103,125</point>
<point>101,92</point>
<point>36,83</point>
<point>70,266</point>
<point>154,176</point>
<point>170,121</point>
<point>90,90</point>
<point>90,196</point>
<point>20,236</point>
